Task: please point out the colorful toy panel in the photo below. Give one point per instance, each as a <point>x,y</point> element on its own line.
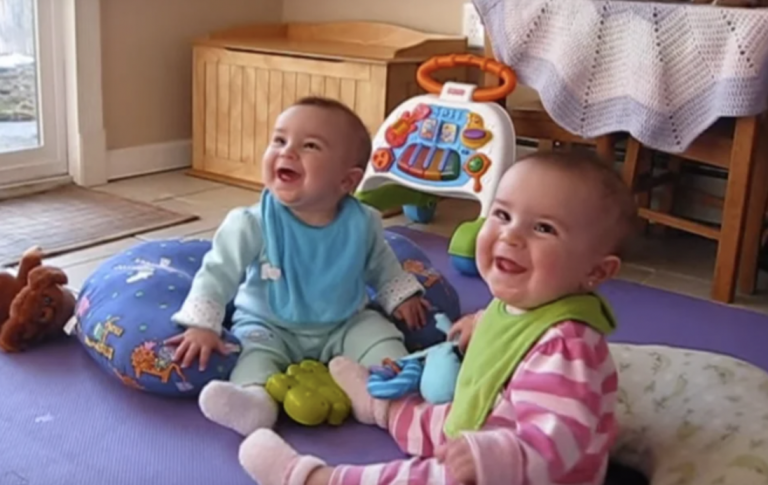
<point>437,147</point>
<point>449,143</point>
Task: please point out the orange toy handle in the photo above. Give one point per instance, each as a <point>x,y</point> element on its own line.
<point>502,71</point>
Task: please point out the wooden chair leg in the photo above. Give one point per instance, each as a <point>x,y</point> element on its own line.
<point>630,168</point>
<point>667,199</point>
<point>667,194</point>
<point>756,206</point>
<point>734,210</point>
<point>546,145</point>
<point>636,162</point>
<point>605,147</point>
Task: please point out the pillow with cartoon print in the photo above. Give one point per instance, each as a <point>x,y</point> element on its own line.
<point>440,293</point>
<point>124,315</point>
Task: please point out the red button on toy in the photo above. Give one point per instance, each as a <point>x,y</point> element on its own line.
<point>382,159</point>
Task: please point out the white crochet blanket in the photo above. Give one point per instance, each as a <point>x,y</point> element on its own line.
<point>662,72</point>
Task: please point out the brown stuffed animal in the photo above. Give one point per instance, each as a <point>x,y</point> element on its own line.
<point>34,305</point>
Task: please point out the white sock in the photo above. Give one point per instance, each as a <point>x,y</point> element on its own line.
<point>242,409</point>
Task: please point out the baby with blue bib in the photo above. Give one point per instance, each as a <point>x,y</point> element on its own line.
<point>297,265</point>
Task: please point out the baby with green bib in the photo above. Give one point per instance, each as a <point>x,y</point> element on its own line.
<point>534,402</point>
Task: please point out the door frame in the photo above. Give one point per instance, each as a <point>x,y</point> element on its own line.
<point>48,158</point>
<point>86,137</point>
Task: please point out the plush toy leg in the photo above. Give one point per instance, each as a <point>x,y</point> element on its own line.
<point>271,461</point>
<point>353,380</point>
<point>242,409</point>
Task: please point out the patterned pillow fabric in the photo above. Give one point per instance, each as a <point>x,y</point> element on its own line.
<point>440,293</point>
<point>124,315</point>
<point>690,417</point>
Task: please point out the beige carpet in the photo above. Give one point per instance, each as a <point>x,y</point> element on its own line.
<point>70,218</point>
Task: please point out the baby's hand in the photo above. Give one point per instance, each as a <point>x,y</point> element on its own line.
<point>194,342</point>
<point>456,455</point>
<point>413,311</point>
<point>464,327</point>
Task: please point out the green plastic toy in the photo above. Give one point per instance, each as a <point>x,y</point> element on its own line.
<point>309,394</point>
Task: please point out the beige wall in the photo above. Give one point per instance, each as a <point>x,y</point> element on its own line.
<point>441,16</point>
<point>147,57</point>
<point>147,62</point>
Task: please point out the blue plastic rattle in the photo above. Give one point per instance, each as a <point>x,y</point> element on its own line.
<point>432,372</point>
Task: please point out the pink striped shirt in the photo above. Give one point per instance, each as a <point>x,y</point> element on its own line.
<point>552,425</point>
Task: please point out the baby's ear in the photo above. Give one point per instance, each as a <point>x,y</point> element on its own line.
<point>352,179</point>
<point>603,271</point>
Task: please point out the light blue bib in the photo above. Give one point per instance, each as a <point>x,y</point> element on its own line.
<point>316,274</point>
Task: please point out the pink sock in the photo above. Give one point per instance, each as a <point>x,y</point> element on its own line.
<point>271,461</point>
<point>353,379</point>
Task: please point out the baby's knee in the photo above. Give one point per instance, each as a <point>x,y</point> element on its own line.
<point>390,348</point>
<point>256,366</point>
<point>373,338</point>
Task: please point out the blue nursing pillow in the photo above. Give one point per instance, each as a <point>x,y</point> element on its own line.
<point>439,292</point>
<point>124,313</point>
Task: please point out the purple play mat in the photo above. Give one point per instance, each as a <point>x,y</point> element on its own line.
<point>63,421</point>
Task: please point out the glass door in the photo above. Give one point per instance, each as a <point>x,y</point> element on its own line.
<point>32,110</point>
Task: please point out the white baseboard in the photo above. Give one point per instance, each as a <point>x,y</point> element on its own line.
<point>147,159</point>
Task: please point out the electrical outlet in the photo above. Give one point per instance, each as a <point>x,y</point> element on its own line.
<point>472,26</point>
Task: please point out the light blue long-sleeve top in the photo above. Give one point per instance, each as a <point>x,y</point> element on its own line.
<point>286,273</point>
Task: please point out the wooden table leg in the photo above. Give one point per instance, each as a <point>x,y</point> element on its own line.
<point>734,210</point>
<point>605,148</point>
<point>756,206</point>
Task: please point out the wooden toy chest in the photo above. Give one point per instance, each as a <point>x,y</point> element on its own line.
<point>244,77</point>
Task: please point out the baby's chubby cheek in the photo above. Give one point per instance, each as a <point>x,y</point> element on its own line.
<point>484,251</point>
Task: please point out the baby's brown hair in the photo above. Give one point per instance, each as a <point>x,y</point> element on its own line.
<point>620,205</point>
<point>359,135</point>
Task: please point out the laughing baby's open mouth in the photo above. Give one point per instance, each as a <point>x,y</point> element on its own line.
<point>508,266</point>
<point>288,175</point>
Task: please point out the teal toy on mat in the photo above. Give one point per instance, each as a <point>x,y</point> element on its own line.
<point>431,372</point>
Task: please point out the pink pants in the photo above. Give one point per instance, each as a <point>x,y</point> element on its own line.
<point>417,428</point>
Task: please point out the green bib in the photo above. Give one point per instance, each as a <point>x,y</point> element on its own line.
<point>501,341</point>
